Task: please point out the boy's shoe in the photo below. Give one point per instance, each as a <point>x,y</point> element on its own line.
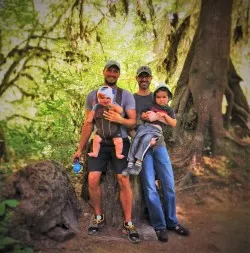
<point>130,230</point>
<point>162,234</point>
<point>135,170</point>
<point>126,171</point>
<point>96,222</point>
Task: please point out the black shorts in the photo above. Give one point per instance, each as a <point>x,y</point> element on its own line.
<point>106,155</point>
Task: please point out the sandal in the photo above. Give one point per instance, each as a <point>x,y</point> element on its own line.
<point>180,230</point>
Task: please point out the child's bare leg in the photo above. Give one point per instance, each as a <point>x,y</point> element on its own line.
<point>96,146</point>
<point>118,147</point>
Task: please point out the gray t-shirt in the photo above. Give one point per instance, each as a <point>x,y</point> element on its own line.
<point>143,102</point>
<point>127,103</point>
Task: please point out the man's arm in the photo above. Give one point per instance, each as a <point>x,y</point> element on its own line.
<point>90,116</point>
<point>87,129</point>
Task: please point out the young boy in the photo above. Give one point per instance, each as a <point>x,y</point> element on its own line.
<point>148,133</point>
<point>105,129</point>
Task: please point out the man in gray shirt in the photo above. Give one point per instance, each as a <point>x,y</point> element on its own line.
<point>96,165</point>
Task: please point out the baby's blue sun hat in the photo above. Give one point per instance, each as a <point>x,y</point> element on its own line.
<point>107,92</point>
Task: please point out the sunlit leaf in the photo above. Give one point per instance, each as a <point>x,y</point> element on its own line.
<point>11,202</point>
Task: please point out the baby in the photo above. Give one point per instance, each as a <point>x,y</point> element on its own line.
<point>106,130</point>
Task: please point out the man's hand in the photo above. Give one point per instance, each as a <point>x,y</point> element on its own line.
<point>161,114</point>
<point>150,116</point>
<point>77,155</point>
<point>113,116</point>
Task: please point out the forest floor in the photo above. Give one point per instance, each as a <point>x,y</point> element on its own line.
<point>216,209</point>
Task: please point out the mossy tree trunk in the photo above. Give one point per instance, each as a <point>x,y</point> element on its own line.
<point>207,75</point>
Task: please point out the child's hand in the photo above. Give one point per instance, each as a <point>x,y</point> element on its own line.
<point>161,114</point>
<point>111,105</point>
<point>150,116</point>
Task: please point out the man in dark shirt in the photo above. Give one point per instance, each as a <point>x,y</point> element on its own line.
<point>147,133</point>
<point>156,163</point>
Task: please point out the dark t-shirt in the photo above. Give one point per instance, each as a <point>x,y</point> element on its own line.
<point>157,108</point>
<point>142,102</point>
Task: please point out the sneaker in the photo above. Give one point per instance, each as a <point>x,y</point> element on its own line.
<point>135,170</point>
<point>125,172</point>
<point>162,234</point>
<point>130,230</point>
<point>96,222</point>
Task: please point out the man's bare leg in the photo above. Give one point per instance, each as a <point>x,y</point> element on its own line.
<point>125,196</point>
<point>126,201</point>
<point>95,190</point>
<point>97,220</point>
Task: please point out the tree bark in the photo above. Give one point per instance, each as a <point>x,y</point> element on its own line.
<point>204,75</point>
<point>3,149</point>
<point>238,111</point>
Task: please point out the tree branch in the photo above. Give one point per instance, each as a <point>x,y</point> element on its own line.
<point>38,67</point>
<point>19,116</point>
<point>81,20</point>
<point>152,16</point>
<point>25,93</point>
<point>46,38</point>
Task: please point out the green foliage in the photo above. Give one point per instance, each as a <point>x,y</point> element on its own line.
<point>8,244</point>
<point>10,203</point>
<point>44,103</point>
<point>61,83</point>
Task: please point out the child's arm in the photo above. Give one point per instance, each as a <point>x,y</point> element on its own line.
<point>167,119</point>
<point>117,108</point>
<point>149,116</point>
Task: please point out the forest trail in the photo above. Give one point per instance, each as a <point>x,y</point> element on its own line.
<point>218,221</point>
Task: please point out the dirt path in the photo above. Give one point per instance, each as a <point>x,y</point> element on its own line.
<point>220,224</point>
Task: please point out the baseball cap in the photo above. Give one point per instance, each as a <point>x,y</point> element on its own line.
<point>164,87</point>
<point>110,63</point>
<point>143,69</point>
<point>107,92</point>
